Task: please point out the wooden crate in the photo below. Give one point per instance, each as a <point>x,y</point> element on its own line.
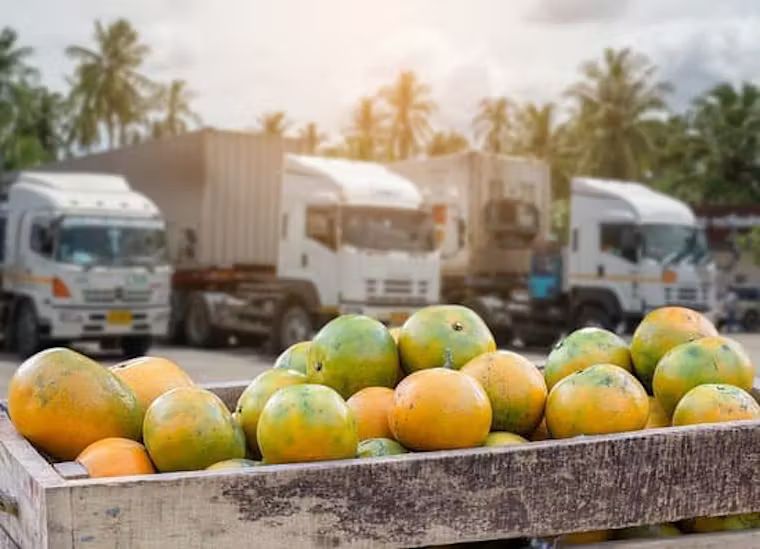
<point>540,489</point>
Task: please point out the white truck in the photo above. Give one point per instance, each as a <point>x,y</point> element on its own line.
<point>84,258</point>
<point>267,244</point>
<point>631,249</point>
<point>489,211</point>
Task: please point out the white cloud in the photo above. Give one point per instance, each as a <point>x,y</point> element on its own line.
<point>315,59</point>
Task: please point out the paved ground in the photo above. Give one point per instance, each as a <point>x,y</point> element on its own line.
<point>245,363</point>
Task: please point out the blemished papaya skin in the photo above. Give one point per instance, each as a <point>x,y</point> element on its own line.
<point>715,403</point>
<point>443,336</point>
<point>440,409</point>
<point>255,396</point>
<point>601,399</point>
<point>712,359</point>
<point>150,377</point>
<point>294,357</point>
<point>515,387</point>
<point>660,331</point>
<point>190,428</point>
<point>584,348</point>
<point>307,422</point>
<point>63,401</point>
<point>352,352</point>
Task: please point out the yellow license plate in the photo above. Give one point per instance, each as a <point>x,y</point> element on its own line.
<point>397,319</point>
<point>119,317</point>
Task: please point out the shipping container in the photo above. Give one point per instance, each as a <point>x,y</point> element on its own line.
<point>475,188</point>
<point>217,189</point>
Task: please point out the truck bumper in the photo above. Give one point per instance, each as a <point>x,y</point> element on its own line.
<point>90,323</point>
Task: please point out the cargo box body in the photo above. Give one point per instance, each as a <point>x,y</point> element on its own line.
<point>466,183</point>
<point>222,185</point>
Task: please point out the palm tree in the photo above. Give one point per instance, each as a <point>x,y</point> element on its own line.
<point>311,138</point>
<point>442,143</point>
<point>274,123</point>
<point>13,66</point>
<point>614,104</point>
<point>409,102</point>
<point>722,145</point>
<point>107,87</point>
<point>367,129</point>
<point>174,100</point>
<point>30,115</point>
<point>492,124</point>
<point>536,130</point>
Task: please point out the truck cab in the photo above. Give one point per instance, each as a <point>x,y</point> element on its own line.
<point>359,234</point>
<point>631,250</point>
<point>84,258</point>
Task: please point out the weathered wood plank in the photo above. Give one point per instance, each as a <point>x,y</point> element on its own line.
<point>538,489</point>
<point>24,475</point>
<point>71,470</point>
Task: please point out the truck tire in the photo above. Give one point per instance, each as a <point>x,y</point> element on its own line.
<point>592,316</point>
<point>136,346</point>
<point>292,325</point>
<point>176,331</point>
<point>27,333</point>
<point>199,331</point>
<point>751,321</point>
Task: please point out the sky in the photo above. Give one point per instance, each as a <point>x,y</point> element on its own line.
<point>316,58</point>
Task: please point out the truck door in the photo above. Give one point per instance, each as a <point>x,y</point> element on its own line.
<point>318,259</point>
<point>617,262</point>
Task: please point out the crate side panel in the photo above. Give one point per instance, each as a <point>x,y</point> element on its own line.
<point>24,475</point>
<point>538,489</point>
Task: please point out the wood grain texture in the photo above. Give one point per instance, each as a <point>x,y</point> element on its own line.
<point>24,475</point>
<point>71,470</point>
<point>538,489</point>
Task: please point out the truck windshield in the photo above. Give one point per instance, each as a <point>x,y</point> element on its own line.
<point>388,229</point>
<point>99,241</point>
<point>674,243</point>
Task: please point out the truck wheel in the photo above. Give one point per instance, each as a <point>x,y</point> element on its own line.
<point>596,317</point>
<point>199,332</point>
<point>133,347</point>
<point>292,326</point>
<point>176,332</point>
<point>27,333</point>
<point>751,321</point>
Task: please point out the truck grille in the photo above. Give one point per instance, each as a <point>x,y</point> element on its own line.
<point>136,296</point>
<point>397,287</point>
<point>395,291</point>
<point>117,294</point>
<point>687,293</point>
<point>99,296</point>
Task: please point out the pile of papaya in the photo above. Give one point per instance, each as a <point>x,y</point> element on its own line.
<point>360,389</point>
